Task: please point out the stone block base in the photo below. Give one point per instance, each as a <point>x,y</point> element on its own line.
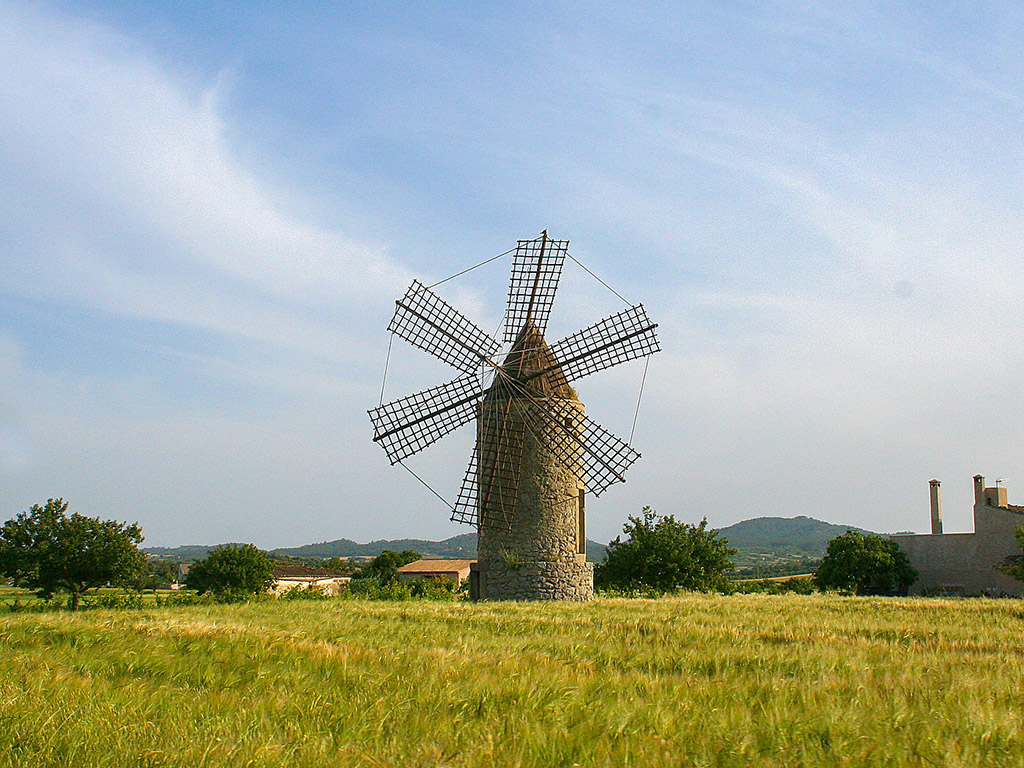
<point>532,580</point>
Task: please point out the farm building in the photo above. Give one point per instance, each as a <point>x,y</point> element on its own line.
<point>288,576</point>
<point>967,563</point>
<point>453,570</point>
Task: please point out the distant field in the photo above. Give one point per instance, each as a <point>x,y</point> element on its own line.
<point>10,595</point>
<point>745,680</point>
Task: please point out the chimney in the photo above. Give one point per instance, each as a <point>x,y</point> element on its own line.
<point>979,491</point>
<point>936,503</point>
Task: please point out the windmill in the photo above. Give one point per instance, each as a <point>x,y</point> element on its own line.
<point>536,454</point>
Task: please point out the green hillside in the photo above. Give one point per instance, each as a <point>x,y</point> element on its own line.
<point>461,547</point>
<point>781,536</point>
<point>763,542</point>
<point>458,547</point>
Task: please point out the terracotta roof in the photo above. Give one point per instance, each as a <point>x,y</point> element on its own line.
<point>436,566</point>
<point>298,571</point>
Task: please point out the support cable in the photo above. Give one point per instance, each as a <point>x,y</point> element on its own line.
<point>426,485</point>
<point>636,413</point>
<point>602,282</point>
<point>387,363</point>
<point>470,269</point>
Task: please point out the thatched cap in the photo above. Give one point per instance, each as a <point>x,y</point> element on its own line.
<point>528,357</point>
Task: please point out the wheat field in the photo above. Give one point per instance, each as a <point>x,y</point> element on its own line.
<point>694,680</point>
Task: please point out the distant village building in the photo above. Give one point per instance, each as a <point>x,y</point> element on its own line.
<point>453,570</point>
<point>967,563</point>
<point>179,582</point>
<point>289,576</point>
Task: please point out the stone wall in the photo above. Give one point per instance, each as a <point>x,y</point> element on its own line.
<point>537,558</point>
<point>965,563</point>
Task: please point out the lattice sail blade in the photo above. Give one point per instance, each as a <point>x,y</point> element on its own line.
<point>597,457</point>
<point>408,425</point>
<point>490,488</point>
<point>626,335</point>
<point>536,269</point>
<point>429,322</point>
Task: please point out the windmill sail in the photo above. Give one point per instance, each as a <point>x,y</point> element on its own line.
<point>429,322</point>
<point>573,436</point>
<point>408,425</point>
<point>536,269</point>
<point>624,336</point>
<point>490,488</point>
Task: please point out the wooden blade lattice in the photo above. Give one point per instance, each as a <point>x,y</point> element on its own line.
<point>490,488</point>
<point>429,322</point>
<point>624,336</point>
<point>536,269</point>
<point>597,457</point>
<point>408,425</point>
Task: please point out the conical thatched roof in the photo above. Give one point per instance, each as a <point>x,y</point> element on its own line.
<point>529,356</point>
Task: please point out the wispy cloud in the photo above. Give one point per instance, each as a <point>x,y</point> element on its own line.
<point>131,201</point>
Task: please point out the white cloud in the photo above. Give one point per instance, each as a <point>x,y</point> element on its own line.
<point>136,206</point>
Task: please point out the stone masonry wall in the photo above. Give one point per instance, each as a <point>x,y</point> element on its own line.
<point>966,563</point>
<point>537,559</point>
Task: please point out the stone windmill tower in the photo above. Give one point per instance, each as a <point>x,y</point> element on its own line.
<point>537,454</point>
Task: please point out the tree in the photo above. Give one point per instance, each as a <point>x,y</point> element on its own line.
<point>1017,568</point>
<point>45,550</point>
<point>663,554</point>
<point>385,565</point>
<point>231,571</point>
<point>865,565</point>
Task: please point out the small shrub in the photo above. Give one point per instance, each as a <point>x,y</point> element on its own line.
<point>185,597</point>
<point>373,588</point>
<point>120,600</point>
<point>298,592</point>
<point>437,588</point>
<point>803,586</point>
<point>35,605</point>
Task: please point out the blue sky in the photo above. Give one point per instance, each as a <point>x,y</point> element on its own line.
<point>209,209</point>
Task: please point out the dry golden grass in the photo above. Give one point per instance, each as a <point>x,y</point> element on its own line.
<point>694,680</point>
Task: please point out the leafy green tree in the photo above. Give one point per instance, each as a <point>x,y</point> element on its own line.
<point>1017,569</point>
<point>865,564</point>
<point>46,550</point>
<point>664,555</point>
<point>159,572</point>
<point>337,564</point>
<point>232,571</point>
<point>385,565</point>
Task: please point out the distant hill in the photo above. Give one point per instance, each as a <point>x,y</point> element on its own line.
<point>458,547</point>
<point>184,553</point>
<point>784,536</point>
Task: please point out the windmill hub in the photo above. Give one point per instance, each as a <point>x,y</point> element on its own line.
<point>537,453</point>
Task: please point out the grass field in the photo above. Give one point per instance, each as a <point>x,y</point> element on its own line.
<point>694,680</point>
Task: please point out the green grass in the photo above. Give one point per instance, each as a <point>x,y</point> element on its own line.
<point>696,680</point>
<point>27,598</point>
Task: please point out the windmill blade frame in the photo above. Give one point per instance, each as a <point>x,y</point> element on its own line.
<point>429,322</point>
<point>409,424</point>
<point>580,444</point>
<point>492,479</point>
<point>624,336</point>
<point>536,270</point>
